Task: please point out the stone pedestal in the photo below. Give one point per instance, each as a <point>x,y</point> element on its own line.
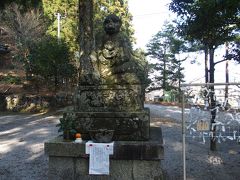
<point>132,160</point>
<point>113,107</point>
<point>127,126</point>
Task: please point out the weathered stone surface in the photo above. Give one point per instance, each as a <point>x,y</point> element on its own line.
<point>106,98</point>
<point>61,168</point>
<point>119,170</point>
<point>115,61</point>
<point>124,150</point>
<point>131,160</point>
<point>3,49</point>
<point>120,75</point>
<point>126,125</point>
<point>113,99</point>
<point>59,147</point>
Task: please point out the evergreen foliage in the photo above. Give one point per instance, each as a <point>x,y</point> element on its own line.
<point>69,10</point>
<point>51,60</point>
<point>27,4</point>
<point>212,23</point>
<point>28,25</point>
<point>69,20</point>
<point>209,21</point>
<point>164,46</point>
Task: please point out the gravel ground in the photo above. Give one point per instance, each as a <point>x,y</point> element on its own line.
<point>201,163</point>
<point>22,149</point>
<point>21,146</point>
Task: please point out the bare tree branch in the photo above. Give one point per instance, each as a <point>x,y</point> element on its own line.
<point>23,26</point>
<point>220,61</point>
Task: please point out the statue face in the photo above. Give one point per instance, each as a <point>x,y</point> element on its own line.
<point>112,24</point>
<point>110,50</point>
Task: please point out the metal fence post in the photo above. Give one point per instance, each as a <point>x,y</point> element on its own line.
<point>183,138</point>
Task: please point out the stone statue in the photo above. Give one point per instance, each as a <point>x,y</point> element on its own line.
<point>115,61</point>
<point>115,102</point>
<point>121,76</point>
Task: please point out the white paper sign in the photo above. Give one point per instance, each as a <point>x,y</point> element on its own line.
<point>99,157</point>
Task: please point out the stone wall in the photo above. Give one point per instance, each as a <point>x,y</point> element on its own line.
<point>33,103</point>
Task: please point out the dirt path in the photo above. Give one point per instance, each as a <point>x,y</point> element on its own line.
<point>21,146</point>
<point>201,163</point>
<point>22,149</point>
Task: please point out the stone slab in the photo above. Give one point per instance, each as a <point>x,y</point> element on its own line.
<point>109,97</point>
<point>77,169</point>
<point>129,126</point>
<point>124,150</point>
<point>132,160</point>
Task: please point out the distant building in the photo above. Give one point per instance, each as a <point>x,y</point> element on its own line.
<point>154,95</point>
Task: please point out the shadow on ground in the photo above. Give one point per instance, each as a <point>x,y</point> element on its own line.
<point>22,154</point>
<point>21,145</point>
<point>201,163</point>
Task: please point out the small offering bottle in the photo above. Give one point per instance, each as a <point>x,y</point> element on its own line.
<point>78,138</point>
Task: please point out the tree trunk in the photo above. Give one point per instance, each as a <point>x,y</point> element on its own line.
<point>86,40</point>
<point>55,81</point>
<point>164,75</point>
<point>179,90</point>
<point>212,100</point>
<point>164,72</point>
<point>206,65</point>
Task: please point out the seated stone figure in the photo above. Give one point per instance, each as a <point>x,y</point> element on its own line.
<point>115,102</point>
<point>121,76</point>
<point>115,61</point>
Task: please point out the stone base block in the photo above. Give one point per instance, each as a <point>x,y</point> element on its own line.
<point>127,126</point>
<point>131,160</point>
<point>67,168</point>
<point>109,97</point>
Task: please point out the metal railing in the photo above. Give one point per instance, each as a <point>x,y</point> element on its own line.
<point>208,132</point>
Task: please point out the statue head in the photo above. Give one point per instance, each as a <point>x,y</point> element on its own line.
<point>112,24</point>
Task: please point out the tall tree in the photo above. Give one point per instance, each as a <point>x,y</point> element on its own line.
<point>51,60</point>
<point>86,42</point>
<point>24,28</point>
<point>212,23</point>
<point>25,3</point>
<point>69,10</point>
<point>68,20</point>
<point>70,27</point>
<point>234,51</point>
<point>164,46</point>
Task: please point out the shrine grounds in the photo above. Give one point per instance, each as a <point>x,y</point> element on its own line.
<point>22,138</point>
